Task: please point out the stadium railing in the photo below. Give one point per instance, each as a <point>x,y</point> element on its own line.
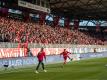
<point>74,48</point>
<point>39,45</point>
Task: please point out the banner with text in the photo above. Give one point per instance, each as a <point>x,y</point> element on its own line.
<point>32,6</point>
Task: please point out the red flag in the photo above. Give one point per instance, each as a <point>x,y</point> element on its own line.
<point>42,18</point>
<point>67,23</point>
<point>56,21</point>
<point>97,27</point>
<point>76,24</point>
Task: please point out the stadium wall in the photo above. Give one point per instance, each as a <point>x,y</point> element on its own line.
<point>29,61</point>
<point>22,52</point>
<point>93,55</point>
<point>11,55</point>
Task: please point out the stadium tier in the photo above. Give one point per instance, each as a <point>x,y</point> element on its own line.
<point>12,30</point>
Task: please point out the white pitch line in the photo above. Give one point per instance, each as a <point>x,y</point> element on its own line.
<point>12,71</point>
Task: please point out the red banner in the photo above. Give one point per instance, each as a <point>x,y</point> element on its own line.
<point>22,52</point>
<point>56,21</point>
<point>76,24</point>
<point>97,27</point>
<point>42,17</point>
<point>11,52</point>
<point>4,11</point>
<point>67,23</point>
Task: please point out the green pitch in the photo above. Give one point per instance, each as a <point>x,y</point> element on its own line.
<point>92,69</point>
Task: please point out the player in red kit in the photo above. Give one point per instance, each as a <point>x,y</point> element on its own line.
<point>65,55</point>
<point>41,56</point>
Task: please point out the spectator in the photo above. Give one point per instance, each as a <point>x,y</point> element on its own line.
<point>18,31</point>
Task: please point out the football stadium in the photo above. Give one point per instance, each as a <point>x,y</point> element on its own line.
<point>53,39</point>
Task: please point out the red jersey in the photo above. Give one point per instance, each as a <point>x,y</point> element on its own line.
<point>65,53</point>
<point>41,56</point>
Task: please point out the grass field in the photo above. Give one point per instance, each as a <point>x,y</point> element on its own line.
<point>92,69</point>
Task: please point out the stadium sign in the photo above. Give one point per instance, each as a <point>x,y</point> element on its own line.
<point>93,55</point>
<point>32,6</point>
<point>29,61</point>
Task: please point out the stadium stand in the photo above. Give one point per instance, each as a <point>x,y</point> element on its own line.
<point>12,30</point>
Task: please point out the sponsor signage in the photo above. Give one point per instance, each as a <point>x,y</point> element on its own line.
<point>93,55</point>
<point>32,6</point>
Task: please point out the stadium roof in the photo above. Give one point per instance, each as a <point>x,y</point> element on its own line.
<point>81,9</point>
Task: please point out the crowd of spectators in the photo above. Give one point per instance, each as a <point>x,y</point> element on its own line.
<point>12,30</point>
